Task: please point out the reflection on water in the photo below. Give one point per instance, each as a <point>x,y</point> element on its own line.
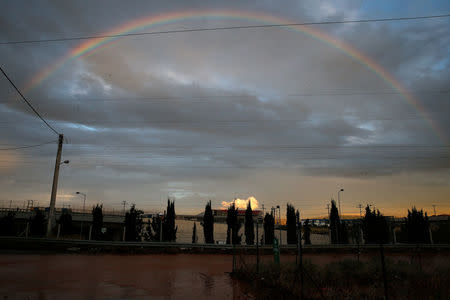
<point>180,276</point>
<point>184,233</point>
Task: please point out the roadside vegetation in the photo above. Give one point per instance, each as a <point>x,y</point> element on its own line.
<point>348,279</point>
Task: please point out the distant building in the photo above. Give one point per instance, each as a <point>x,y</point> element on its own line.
<point>241,212</point>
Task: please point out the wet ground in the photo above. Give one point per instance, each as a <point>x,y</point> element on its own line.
<point>183,276</point>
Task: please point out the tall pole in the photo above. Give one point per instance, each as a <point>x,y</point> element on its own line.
<point>257,245</point>
<point>434,208</point>
<point>51,212</point>
<point>339,201</point>
<point>84,204</point>
<point>279,225</point>
<point>124,203</point>
<point>300,253</point>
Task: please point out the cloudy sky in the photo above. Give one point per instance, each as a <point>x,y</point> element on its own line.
<point>270,113</point>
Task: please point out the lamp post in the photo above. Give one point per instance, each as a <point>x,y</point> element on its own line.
<point>58,163</point>
<point>84,203</point>
<point>339,201</point>
<point>279,221</point>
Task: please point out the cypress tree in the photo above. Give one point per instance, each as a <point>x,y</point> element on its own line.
<point>343,233</point>
<point>291,224</point>
<point>249,226</point>
<point>97,222</point>
<point>169,229</point>
<point>233,226</point>
<point>269,228</point>
<point>38,224</point>
<point>208,224</point>
<point>194,234</point>
<point>65,220</point>
<point>153,229</point>
<point>417,227</point>
<point>133,224</point>
<point>375,227</point>
<point>335,223</point>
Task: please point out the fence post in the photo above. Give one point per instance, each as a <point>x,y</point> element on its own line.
<point>257,246</point>
<point>26,230</point>
<point>90,232</point>
<point>123,235</point>
<point>431,235</point>
<point>59,230</point>
<point>234,250</point>
<point>300,254</point>
<point>383,271</point>
<point>160,229</point>
<point>394,236</point>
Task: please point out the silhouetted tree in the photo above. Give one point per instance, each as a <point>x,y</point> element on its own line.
<point>169,229</point>
<point>65,220</point>
<point>249,225</point>
<point>7,224</point>
<point>133,224</point>
<point>153,229</point>
<point>38,224</point>
<point>417,227</point>
<point>208,224</point>
<point>233,226</point>
<point>307,232</point>
<point>375,227</point>
<point>291,225</point>
<point>194,234</point>
<point>356,232</point>
<point>335,223</point>
<point>343,233</point>
<point>269,229</point>
<point>97,222</point>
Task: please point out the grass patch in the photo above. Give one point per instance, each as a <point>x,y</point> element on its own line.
<point>347,279</point>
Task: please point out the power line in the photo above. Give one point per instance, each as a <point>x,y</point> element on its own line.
<point>204,99</point>
<point>28,102</point>
<point>222,28</point>
<point>27,146</point>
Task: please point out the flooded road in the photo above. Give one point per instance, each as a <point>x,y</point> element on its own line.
<point>182,276</point>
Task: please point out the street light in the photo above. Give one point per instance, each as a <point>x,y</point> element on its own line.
<point>339,201</point>
<point>84,203</point>
<point>65,162</point>
<point>279,221</point>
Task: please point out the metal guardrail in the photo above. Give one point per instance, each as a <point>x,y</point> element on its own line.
<point>59,210</point>
<point>221,246</point>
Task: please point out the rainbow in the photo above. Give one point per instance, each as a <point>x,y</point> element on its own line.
<point>88,47</point>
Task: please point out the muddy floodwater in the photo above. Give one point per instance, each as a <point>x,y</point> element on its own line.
<point>182,276</point>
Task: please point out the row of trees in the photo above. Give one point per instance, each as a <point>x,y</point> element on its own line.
<point>159,228</point>
<point>234,225</point>
<point>37,224</point>
<point>376,229</point>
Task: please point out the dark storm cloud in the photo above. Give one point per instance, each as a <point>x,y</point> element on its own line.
<point>221,105</point>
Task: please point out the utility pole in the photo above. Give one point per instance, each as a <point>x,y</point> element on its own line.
<point>300,254</point>
<point>124,203</point>
<point>339,201</point>
<point>328,209</point>
<point>51,212</point>
<point>434,208</point>
<point>360,210</point>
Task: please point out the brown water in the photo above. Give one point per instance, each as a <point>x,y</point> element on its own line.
<point>184,233</point>
<point>183,276</point>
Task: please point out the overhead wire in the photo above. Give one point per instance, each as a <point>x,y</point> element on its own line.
<point>27,146</point>
<point>28,102</point>
<point>224,28</point>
